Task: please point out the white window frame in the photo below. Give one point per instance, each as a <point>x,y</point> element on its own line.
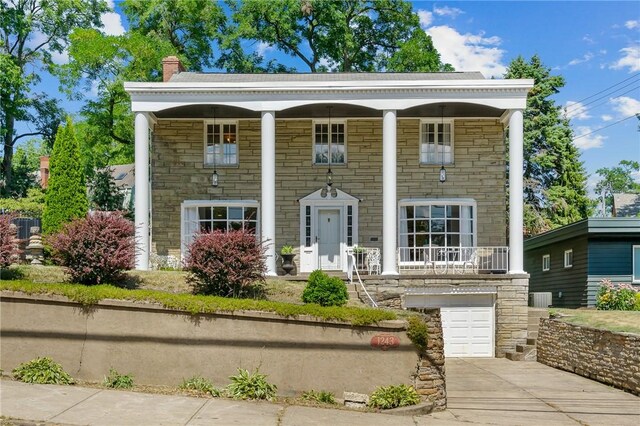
<point>204,138</point>
<point>423,202</point>
<point>568,263</point>
<point>186,237</point>
<point>437,122</point>
<point>546,262</point>
<point>313,141</point>
<point>635,268</point>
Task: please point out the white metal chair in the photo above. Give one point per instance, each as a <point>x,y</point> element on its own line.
<point>471,264</point>
<point>373,262</point>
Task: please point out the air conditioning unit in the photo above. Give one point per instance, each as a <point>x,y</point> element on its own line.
<point>540,299</point>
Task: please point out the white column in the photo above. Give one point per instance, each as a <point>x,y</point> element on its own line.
<point>389,202</point>
<point>142,191</point>
<point>516,208</point>
<point>268,210</point>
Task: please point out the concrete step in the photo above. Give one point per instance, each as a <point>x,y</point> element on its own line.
<point>532,341</point>
<point>532,334</point>
<point>515,356</point>
<point>525,348</point>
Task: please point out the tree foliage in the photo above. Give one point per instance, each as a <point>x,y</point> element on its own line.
<point>66,197</point>
<point>340,35</point>
<point>618,179</point>
<point>554,177</point>
<point>104,193</point>
<point>31,32</point>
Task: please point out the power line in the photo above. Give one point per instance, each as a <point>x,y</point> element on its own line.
<point>602,128</point>
<point>583,110</point>
<point>607,89</point>
<point>580,106</point>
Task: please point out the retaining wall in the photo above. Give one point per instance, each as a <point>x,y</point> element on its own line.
<point>605,356</point>
<point>162,347</point>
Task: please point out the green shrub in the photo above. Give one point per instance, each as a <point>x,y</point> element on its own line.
<point>116,380</point>
<point>245,385</point>
<point>200,385</point>
<point>43,371</point>
<point>286,249</point>
<point>325,290</point>
<point>320,396</point>
<point>394,396</point>
<point>621,297</point>
<point>418,332</point>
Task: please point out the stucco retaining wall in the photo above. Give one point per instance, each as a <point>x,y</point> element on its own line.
<point>605,356</point>
<point>162,347</point>
<point>510,299</point>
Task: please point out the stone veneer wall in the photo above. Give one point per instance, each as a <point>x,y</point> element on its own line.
<point>178,174</point>
<point>511,311</point>
<point>430,380</point>
<point>605,356</point>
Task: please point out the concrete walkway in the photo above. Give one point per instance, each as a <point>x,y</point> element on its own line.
<point>482,391</point>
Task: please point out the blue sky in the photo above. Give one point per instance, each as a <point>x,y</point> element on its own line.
<point>594,45</point>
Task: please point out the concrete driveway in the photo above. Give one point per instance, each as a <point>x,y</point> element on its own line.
<point>503,392</point>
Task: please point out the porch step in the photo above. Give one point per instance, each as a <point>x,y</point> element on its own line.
<point>515,356</point>
<point>532,341</point>
<point>532,335</point>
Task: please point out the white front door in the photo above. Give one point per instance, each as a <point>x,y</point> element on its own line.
<point>329,239</point>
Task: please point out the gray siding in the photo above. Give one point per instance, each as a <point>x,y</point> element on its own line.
<point>572,282</point>
<point>611,256</point>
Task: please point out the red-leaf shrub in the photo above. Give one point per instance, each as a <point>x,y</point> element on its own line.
<point>227,264</point>
<point>7,247</point>
<point>95,250</point>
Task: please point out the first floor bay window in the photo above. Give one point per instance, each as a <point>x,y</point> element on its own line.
<point>426,226</point>
<point>225,215</point>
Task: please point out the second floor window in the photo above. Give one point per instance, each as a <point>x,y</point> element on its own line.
<point>329,145</point>
<point>436,142</point>
<point>221,144</point>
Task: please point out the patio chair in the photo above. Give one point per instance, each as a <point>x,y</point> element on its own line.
<point>373,262</point>
<point>471,264</point>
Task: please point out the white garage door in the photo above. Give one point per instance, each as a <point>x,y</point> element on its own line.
<point>467,322</point>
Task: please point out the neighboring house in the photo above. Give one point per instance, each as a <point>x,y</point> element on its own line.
<point>571,261</point>
<point>123,176</point>
<point>626,205</point>
<point>410,165</point>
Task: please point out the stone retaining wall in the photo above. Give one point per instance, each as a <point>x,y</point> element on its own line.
<point>605,356</point>
<point>511,311</point>
<point>159,346</point>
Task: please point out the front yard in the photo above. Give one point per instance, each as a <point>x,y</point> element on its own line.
<point>622,321</point>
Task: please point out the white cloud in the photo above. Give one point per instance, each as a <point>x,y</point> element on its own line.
<point>587,38</point>
<point>447,11</point>
<point>263,48</point>
<point>632,24</point>
<point>630,58</point>
<point>606,117</point>
<point>625,106</point>
<point>111,21</point>
<point>468,52</point>
<point>585,58</point>
<point>426,18</point>
<point>576,111</point>
<point>587,142</point>
<point>59,58</point>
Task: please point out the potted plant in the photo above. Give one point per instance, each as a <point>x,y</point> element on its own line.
<point>287,258</point>
<point>360,255</point>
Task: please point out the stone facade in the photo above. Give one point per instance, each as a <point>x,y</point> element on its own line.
<point>178,174</point>
<point>430,380</point>
<point>511,312</point>
<point>605,356</point>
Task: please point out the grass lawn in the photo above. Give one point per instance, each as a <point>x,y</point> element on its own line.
<point>624,321</point>
<point>277,289</point>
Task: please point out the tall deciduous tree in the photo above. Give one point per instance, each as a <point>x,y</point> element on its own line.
<point>66,197</point>
<point>616,180</point>
<point>340,35</point>
<point>554,177</point>
<point>31,32</point>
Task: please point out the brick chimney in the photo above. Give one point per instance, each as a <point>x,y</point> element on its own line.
<point>44,171</point>
<point>171,65</point>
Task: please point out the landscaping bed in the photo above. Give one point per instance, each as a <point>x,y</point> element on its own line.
<point>617,321</point>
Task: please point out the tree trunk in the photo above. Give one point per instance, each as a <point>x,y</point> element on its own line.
<point>7,159</point>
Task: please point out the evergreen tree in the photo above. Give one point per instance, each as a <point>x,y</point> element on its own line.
<point>104,192</point>
<point>66,197</point>
<point>554,177</point>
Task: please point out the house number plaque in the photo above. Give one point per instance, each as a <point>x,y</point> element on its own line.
<point>385,341</point>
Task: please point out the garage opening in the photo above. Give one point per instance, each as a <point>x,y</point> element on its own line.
<point>468,319</point>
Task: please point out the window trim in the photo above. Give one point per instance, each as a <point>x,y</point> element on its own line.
<point>342,121</point>
<point>566,264</point>
<point>204,140</point>
<point>634,266</point>
<point>186,204</point>
<point>438,201</point>
<point>423,121</point>
<point>546,262</point>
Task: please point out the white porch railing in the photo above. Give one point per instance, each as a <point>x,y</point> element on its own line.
<point>356,255</point>
<point>366,259</point>
<point>453,260</point>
